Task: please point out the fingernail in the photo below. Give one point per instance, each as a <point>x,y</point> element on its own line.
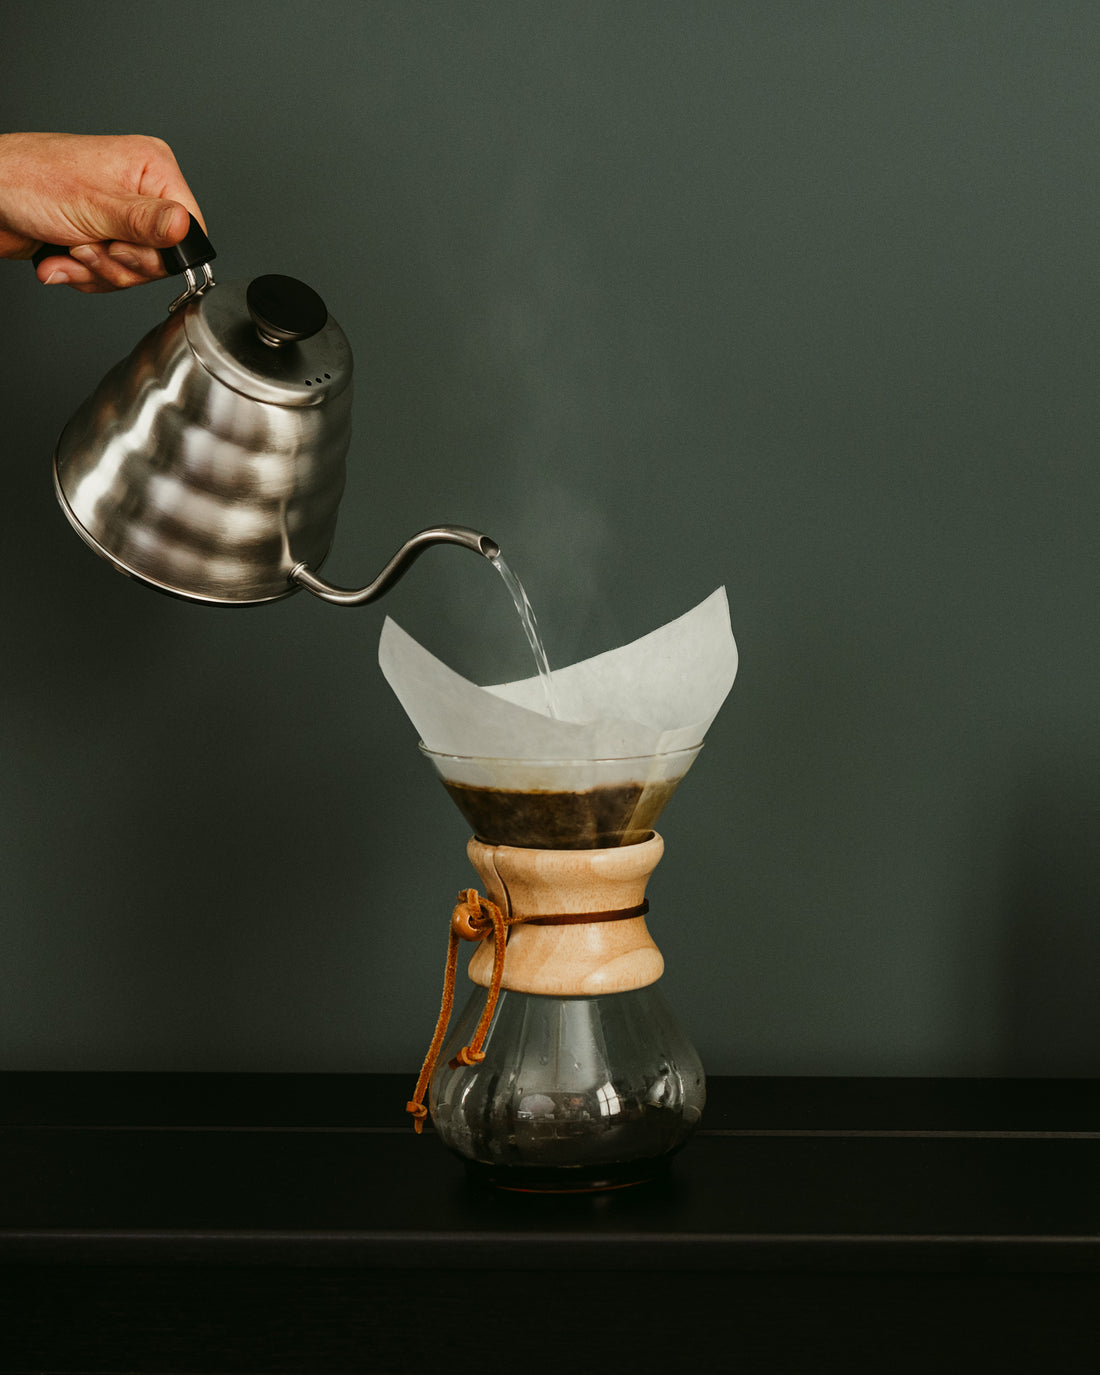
<point>126,260</point>
<point>164,222</point>
<point>84,254</point>
<point>56,278</point>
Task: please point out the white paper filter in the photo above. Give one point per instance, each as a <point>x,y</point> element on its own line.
<point>655,695</point>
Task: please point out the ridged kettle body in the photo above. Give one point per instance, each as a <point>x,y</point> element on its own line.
<point>209,463</point>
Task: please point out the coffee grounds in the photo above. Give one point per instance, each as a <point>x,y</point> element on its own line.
<point>592,820</point>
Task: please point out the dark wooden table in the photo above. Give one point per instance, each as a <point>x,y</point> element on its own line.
<point>294,1223</point>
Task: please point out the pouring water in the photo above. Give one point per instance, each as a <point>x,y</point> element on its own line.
<point>530,629</point>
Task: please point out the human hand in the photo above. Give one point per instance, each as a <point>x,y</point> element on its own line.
<point>113,200</point>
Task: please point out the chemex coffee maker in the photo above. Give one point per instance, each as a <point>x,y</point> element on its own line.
<point>210,463</point>
<point>565,1070</point>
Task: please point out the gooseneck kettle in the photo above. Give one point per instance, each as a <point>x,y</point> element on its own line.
<point>210,463</point>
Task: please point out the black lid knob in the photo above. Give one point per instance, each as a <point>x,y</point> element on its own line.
<point>284,309</point>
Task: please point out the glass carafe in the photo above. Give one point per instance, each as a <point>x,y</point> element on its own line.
<point>566,1068</point>
<point>573,1094</point>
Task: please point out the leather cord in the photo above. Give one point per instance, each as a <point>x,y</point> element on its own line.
<point>474,919</point>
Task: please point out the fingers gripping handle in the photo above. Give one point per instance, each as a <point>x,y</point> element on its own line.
<point>193,250</point>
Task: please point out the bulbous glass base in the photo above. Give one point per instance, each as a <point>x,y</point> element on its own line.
<point>573,1093</point>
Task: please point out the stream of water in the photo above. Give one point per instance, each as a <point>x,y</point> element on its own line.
<point>530,629</point>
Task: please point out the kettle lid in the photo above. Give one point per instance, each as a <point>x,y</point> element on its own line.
<point>271,339</point>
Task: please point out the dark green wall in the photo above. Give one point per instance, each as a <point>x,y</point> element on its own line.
<point>798,298</point>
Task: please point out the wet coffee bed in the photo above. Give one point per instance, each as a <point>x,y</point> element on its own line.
<point>592,820</point>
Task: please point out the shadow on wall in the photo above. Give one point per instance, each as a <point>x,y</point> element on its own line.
<point>1050,983</point>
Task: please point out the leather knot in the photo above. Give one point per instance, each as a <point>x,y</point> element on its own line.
<point>467,1056</point>
<point>419,1112</point>
<point>473,917</point>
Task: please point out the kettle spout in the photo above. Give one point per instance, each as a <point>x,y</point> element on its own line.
<point>397,567</point>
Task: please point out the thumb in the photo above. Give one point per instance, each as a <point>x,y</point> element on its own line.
<point>145,220</point>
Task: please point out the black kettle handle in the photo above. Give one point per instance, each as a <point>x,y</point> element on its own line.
<point>193,250</point>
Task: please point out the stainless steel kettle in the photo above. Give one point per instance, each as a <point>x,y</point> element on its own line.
<point>210,463</point>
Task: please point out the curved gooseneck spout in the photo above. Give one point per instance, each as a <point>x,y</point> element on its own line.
<point>397,567</point>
